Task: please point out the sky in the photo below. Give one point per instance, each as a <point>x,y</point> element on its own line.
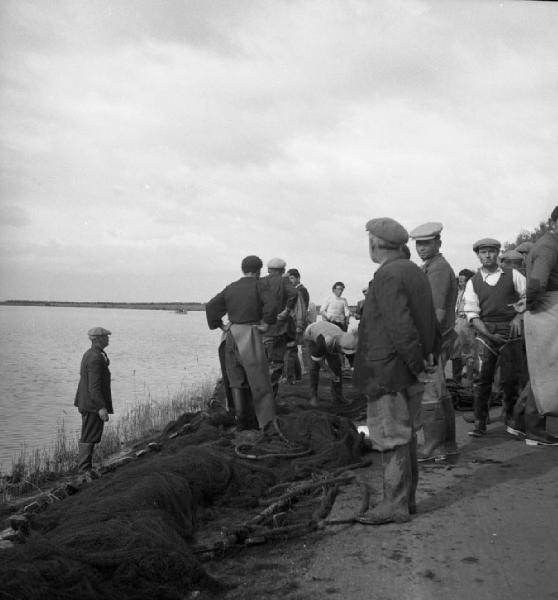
<point>147,146</point>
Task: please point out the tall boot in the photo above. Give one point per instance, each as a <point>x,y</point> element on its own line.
<point>535,431</point>
<point>449,418</point>
<point>337,391</point>
<point>414,474</point>
<point>397,483</point>
<point>457,369</point>
<point>244,412</point>
<point>314,380</point>
<point>433,444</point>
<point>85,456</point>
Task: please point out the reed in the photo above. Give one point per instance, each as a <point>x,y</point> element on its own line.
<point>33,469</point>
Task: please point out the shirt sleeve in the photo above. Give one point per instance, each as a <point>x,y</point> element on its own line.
<point>539,273</point>
<point>471,306</point>
<point>215,310</point>
<point>519,283</point>
<point>346,308</point>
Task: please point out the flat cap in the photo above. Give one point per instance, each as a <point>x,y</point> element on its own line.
<point>98,331</point>
<point>348,342</point>
<point>276,263</point>
<point>524,247</point>
<point>511,255</point>
<point>388,230</point>
<point>486,243</point>
<point>427,231</point>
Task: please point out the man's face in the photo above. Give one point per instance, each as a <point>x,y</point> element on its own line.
<point>102,341</point>
<point>488,257</point>
<point>294,280</point>
<point>427,248</point>
<point>373,248</point>
<point>462,281</point>
<point>338,290</point>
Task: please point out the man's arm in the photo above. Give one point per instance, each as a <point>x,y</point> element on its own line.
<point>539,273</point>
<point>96,372</point>
<point>392,301</point>
<point>215,310</point>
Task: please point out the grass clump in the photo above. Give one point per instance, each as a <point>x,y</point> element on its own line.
<point>32,469</point>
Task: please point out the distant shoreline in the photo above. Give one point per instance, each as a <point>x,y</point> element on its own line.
<point>175,306</point>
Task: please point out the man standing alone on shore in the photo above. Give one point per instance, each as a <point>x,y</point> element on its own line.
<point>398,340</point>
<point>93,397</point>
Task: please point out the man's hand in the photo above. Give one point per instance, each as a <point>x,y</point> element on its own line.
<point>429,364</point>
<point>103,414</point>
<point>262,327</point>
<point>284,314</point>
<point>516,327</point>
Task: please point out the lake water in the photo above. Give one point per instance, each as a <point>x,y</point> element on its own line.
<point>154,354</point>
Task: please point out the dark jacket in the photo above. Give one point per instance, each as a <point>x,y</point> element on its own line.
<point>284,295</point>
<point>93,391</point>
<point>398,329</point>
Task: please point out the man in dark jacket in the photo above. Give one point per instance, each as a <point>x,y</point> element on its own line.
<point>283,330</point>
<point>93,397</point>
<point>251,311</point>
<point>398,339</point>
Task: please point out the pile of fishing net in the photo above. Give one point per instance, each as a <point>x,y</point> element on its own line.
<point>132,533</point>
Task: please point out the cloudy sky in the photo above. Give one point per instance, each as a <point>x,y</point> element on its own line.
<point>148,145</point>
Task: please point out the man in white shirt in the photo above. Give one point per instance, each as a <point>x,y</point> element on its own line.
<point>493,300</point>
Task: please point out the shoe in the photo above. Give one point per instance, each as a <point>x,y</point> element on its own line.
<point>541,439</point>
<point>517,433</point>
<point>479,430</point>
<point>314,400</point>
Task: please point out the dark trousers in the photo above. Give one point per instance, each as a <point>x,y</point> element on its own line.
<point>91,428</point>
<point>510,357</point>
<point>275,348</point>
<point>333,360</point>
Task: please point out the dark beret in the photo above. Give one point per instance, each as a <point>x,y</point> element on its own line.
<point>388,230</point>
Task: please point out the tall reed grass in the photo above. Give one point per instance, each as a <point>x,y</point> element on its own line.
<point>33,469</point>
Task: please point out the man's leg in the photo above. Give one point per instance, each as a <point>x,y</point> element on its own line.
<point>334,362</point>
<point>392,429</point>
<point>484,365</point>
<point>511,366</point>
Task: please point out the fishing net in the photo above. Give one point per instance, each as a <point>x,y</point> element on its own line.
<point>132,533</point>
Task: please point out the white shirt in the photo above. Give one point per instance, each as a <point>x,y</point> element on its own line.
<point>471,300</point>
<point>336,309</point>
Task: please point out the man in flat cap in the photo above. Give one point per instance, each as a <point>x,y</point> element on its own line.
<point>251,311</point>
<point>93,397</point>
<point>491,302</point>
<point>278,335</point>
<point>512,259</point>
<point>438,415</point>
<point>398,339</point>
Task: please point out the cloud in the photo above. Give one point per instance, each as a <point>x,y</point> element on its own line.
<point>140,139</point>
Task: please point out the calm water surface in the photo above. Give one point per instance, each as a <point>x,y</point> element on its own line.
<point>153,354</point>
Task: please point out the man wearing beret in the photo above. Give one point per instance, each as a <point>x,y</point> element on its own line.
<point>278,335</point>
<point>398,340</point>
<point>251,311</point>
<point>490,300</point>
<point>93,397</point>
<point>438,415</point>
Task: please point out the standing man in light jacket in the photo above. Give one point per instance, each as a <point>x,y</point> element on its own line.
<point>398,340</point>
<point>438,415</point>
<point>93,397</point>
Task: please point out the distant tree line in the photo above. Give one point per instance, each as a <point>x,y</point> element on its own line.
<point>529,236</point>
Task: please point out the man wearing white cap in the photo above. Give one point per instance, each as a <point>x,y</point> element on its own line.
<point>328,341</point>
<point>279,334</point>
<point>93,397</point>
<point>398,340</point>
<point>493,297</point>
<point>438,415</point>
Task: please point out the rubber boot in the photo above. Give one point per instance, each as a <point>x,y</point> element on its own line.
<point>449,418</point>
<point>85,456</point>
<point>314,380</point>
<point>244,412</point>
<point>414,475</point>
<point>535,432</point>
<point>433,446</point>
<point>397,484</point>
<point>337,392</point>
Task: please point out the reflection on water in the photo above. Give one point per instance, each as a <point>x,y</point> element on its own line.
<point>153,354</point>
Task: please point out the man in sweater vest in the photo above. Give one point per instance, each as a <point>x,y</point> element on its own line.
<point>491,297</point>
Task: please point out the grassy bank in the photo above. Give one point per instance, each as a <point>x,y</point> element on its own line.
<point>33,470</point>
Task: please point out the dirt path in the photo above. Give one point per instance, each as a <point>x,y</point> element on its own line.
<point>486,529</point>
